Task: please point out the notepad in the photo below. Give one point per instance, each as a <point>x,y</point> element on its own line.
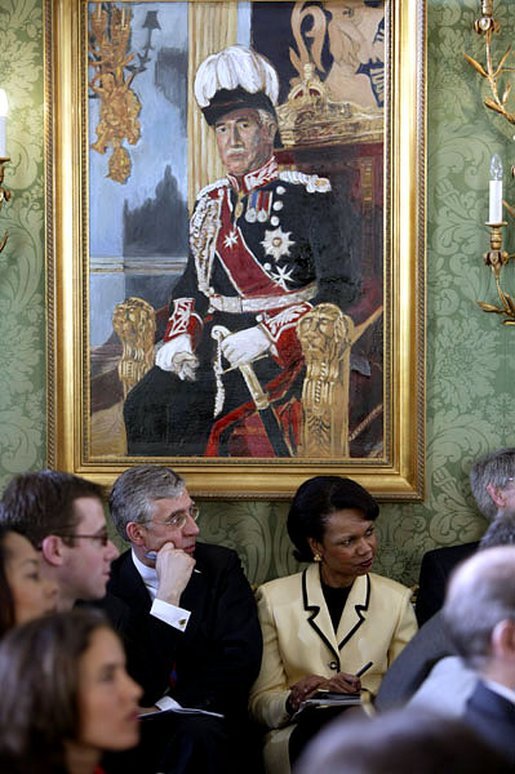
<point>329,699</point>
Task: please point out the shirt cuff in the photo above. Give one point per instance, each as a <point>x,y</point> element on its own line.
<point>170,614</point>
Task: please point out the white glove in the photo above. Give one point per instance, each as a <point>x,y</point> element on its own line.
<point>245,346</point>
<point>177,357</point>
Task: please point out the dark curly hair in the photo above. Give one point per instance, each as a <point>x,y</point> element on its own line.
<point>315,500</point>
<point>7,611</point>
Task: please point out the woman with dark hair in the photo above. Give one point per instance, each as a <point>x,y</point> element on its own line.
<point>24,593</point>
<point>329,624</point>
<point>66,696</point>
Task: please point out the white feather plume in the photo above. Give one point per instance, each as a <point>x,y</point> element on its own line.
<point>235,66</point>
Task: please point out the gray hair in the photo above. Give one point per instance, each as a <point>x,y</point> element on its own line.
<point>480,595</point>
<point>495,468</point>
<point>501,531</point>
<point>134,492</point>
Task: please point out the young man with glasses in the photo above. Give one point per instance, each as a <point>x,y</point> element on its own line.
<point>194,634</point>
<point>63,517</point>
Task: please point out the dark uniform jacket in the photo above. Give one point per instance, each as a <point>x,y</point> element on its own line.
<point>263,251</point>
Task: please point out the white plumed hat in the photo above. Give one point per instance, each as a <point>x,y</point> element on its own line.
<point>232,78</point>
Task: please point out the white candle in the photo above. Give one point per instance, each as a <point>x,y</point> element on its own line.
<point>3,151</point>
<point>3,122</point>
<point>495,209</point>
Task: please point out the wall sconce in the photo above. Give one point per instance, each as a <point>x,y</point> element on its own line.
<point>5,195</point>
<point>498,101</point>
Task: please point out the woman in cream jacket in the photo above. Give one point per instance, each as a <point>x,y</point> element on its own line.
<point>323,625</point>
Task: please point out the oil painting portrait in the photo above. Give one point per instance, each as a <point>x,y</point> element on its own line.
<point>236,229</point>
<point>236,245</point>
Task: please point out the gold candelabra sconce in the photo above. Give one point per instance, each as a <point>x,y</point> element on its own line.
<point>114,67</point>
<point>5,194</point>
<point>497,77</point>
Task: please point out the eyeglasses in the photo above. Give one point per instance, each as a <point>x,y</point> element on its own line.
<point>179,519</point>
<point>102,537</point>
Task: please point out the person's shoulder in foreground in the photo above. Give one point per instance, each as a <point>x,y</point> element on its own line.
<point>479,612</point>
<point>401,742</point>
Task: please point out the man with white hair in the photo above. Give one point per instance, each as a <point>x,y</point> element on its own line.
<point>265,245</point>
<point>480,614</point>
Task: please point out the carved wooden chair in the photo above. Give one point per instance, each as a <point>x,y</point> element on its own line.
<point>326,336</point>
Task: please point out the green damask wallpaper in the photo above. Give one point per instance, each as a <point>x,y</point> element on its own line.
<point>469,370</point>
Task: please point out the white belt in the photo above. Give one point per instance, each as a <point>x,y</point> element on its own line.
<point>237,305</point>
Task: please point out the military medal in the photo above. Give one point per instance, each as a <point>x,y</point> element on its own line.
<point>264,205</point>
<point>251,214</point>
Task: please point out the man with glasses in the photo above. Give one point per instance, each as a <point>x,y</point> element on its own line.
<point>492,483</point>
<point>194,635</point>
<point>63,517</point>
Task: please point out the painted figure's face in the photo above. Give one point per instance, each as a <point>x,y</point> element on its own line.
<point>348,547</point>
<point>244,141</point>
<point>33,595</point>
<point>108,697</point>
<point>165,525</point>
<point>87,562</point>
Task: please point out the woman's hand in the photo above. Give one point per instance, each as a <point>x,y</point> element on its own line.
<point>343,683</point>
<point>303,689</point>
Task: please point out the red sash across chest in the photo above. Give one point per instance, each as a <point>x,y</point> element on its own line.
<point>242,266</point>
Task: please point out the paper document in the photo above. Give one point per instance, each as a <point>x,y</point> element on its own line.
<point>174,706</point>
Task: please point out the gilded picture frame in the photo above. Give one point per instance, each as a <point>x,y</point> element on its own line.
<point>95,150</point>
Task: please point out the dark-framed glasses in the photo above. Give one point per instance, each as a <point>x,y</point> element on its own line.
<point>179,519</point>
<point>101,537</point>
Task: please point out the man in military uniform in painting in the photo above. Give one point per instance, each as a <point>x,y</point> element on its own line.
<point>265,246</point>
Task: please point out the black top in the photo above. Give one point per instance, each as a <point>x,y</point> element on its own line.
<point>335,599</point>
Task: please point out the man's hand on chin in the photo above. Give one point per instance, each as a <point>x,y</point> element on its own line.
<point>174,568</point>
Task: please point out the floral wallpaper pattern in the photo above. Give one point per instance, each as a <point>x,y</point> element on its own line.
<point>470,374</point>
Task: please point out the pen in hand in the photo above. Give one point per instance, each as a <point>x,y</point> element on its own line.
<point>364,669</point>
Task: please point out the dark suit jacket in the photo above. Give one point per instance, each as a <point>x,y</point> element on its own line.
<point>116,611</point>
<point>410,669</point>
<point>493,717</point>
<point>217,658</point>
<point>435,569</point>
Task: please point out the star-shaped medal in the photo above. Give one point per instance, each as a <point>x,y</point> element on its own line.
<point>282,275</point>
<point>231,239</point>
<point>277,243</point>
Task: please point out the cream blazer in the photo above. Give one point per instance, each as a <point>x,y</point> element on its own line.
<point>298,639</point>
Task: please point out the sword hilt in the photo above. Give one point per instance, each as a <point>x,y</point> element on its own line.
<point>259,396</point>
